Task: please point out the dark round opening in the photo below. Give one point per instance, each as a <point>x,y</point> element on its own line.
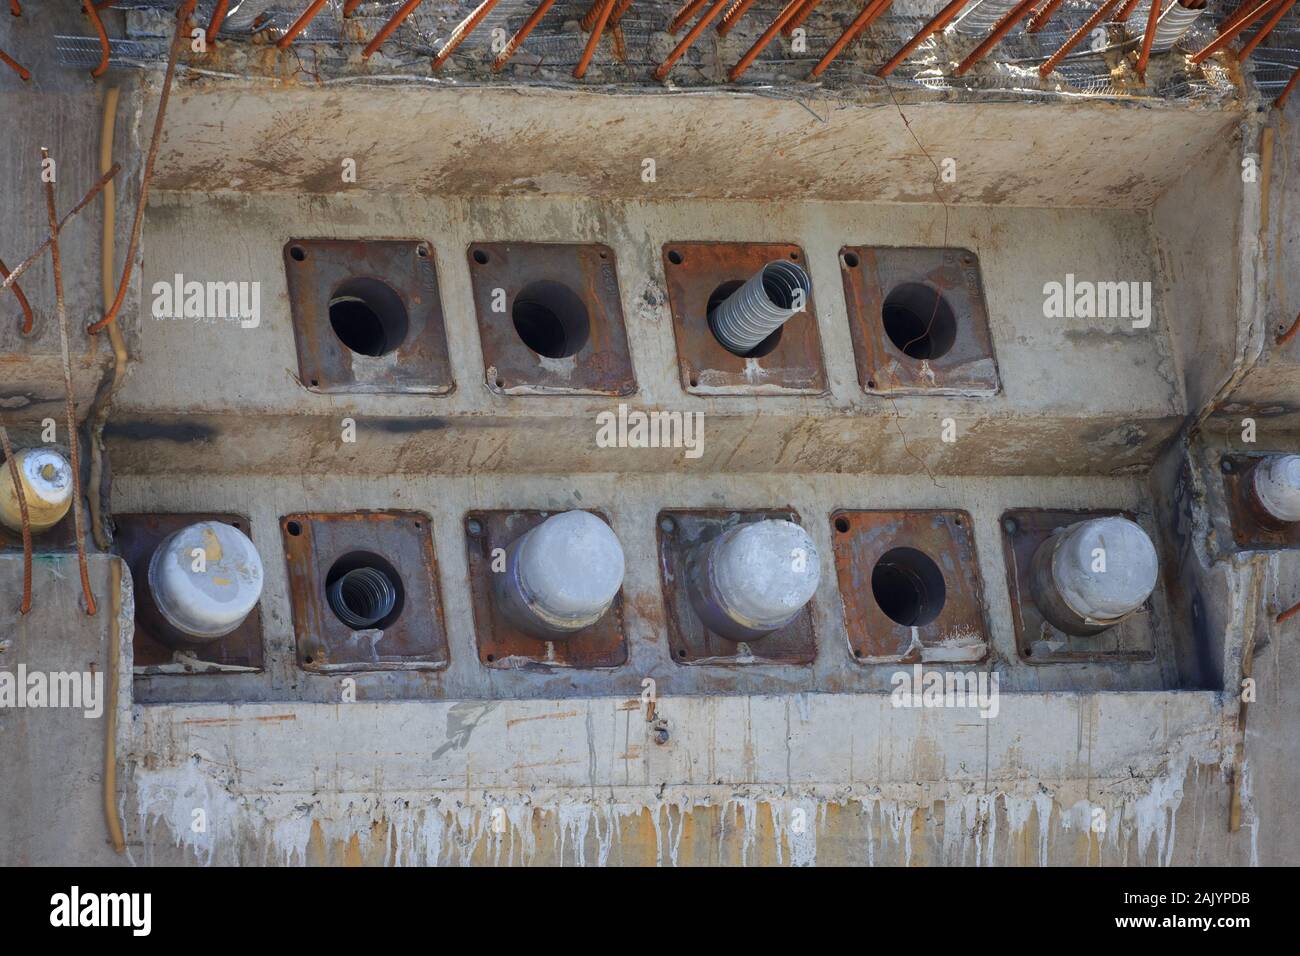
<point>297,253</point>
<point>908,587</point>
<point>764,347</point>
<point>851,260</point>
<point>919,321</point>
<point>480,257</point>
<point>842,525</point>
<point>675,257</point>
<point>551,319</point>
<point>294,528</point>
<point>364,591</point>
<point>368,316</point>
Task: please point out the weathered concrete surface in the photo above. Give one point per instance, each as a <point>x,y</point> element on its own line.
<point>52,760</point>
<point>472,141</point>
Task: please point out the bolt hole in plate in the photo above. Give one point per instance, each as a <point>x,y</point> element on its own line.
<point>135,538</point>
<point>501,645</point>
<point>550,318</point>
<point>698,276</point>
<point>363,591</point>
<point>690,642</point>
<point>918,321</point>
<point>910,585</point>
<point>1037,641</point>
<point>367,316</point>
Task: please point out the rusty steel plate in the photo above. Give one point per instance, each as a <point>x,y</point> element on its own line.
<point>690,642</point>
<point>501,645</point>
<point>695,272</point>
<point>388,309</point>
<point>955,630</point>
<point>1037,641</point>
<point>550,318</point>
<point>1252,530</point>
<point>313,543</point>
<point>135,539</point>
<point>952,350</point>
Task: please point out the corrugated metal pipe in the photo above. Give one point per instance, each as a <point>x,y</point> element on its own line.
<point>1173,23</point>
<point>759,307</point>
<point>980,19</point>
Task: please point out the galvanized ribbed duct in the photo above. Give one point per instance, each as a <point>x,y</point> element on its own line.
<point>1173,23</point>
<point>981,18</point>
<point>759,307</point>
<point>362,598</point>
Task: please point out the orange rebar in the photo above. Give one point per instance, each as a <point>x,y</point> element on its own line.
<point>606,8</point>
<point>1289,613</point>
<point>516,41</point>
<point>1076,38</point>
<point>1247,5</point>
<point>1003,27</point>
<point>15,9</point>
<point>102,67</point>
<point>1217,44</point>
<point>218,18</point>
<point>937,23</point>
<point>806,8</point>
<point>463,29</point>
<point>1148,37</point>
<point>17,67</point>
<point>74,450</point>
<point>1039,19</point>
<point>1125,11</point>
<point>23,514</point>
<point>1278,104</point>
<point>1289,334</point>
<point>28,318</point>
<point>1266,29</point>
<point>387,29</point>
<point>12,278</point>
<point>301,23</point>
<point>684,14</point>
<point>350,7</point>
<point>620,8</point>
<point>178,39</point>
<point>769,34</point>
<point>734,13</point>
<point>873,9</point>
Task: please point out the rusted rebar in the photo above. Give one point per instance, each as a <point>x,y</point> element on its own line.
<point>663,69</point>
<point>13,277</point>
<point>74,452</point>
<point>1076,38</point>
<point>516,41</point>
<point>684,15</point>
<point>1266,29</point>
<point>14,65</point>
<point>935,24</point>
<point>606,8</point>
<point>1231,19</point>
<point>1125,11</point>
<point>23,513</point>
<point>463,30</point>
<point>1281,102</point>
<point>733,13</point>
<point>769,34</point>
<point>218,18</point>
<point>301,23</point>
<point>1289,613</point>
<point>805,10</point>
<point>1001,29</point>
<point>178,40</point>
<point>1148,37</point>
<point>28,317</point>
<point>387,29</point>
<point>1039,19</point>
<point>870,12</point>
<point>102,66</point>
<point>1221,41</point>
<point>15,8</point>
<point>1289,334</point>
